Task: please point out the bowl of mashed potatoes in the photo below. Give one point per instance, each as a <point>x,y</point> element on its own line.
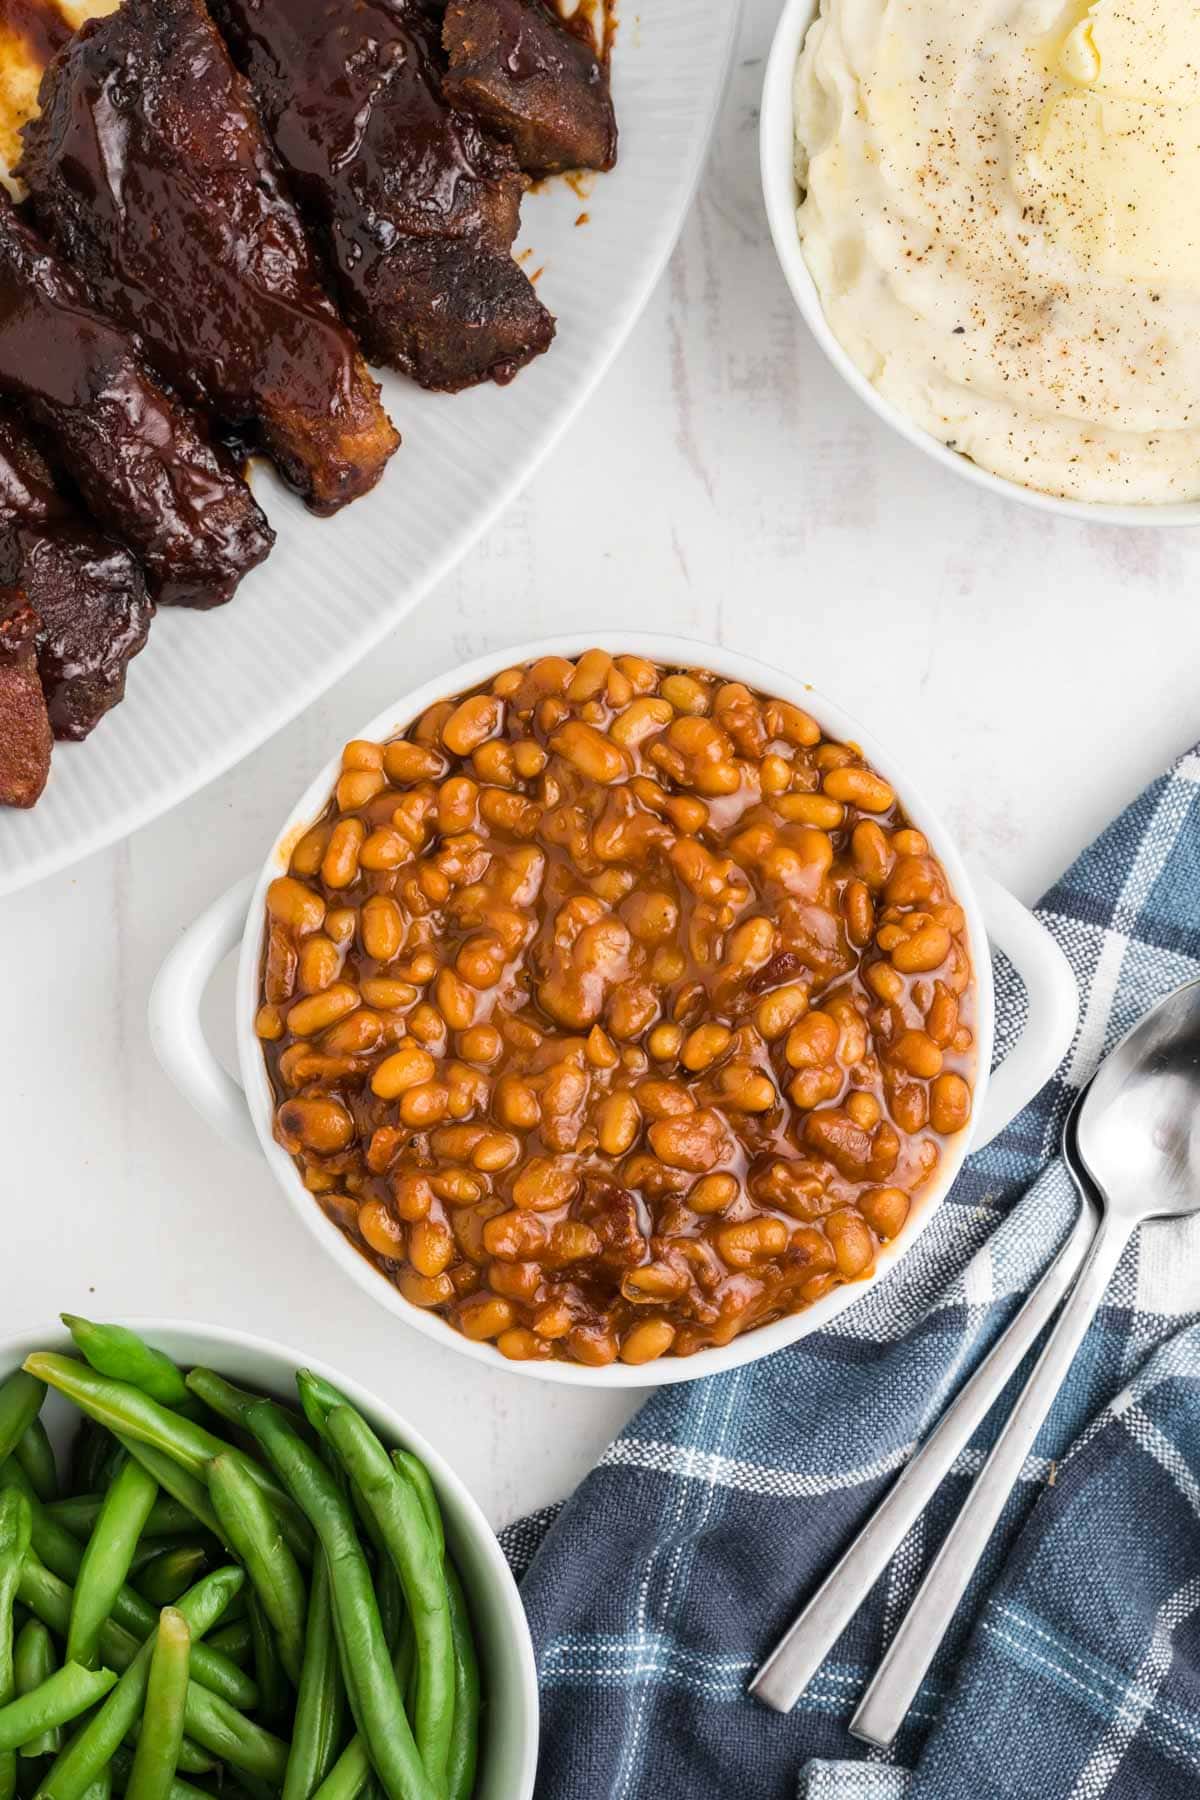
<point>988,216</point>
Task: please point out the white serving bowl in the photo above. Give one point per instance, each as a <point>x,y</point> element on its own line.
<point>508,1747</point>
<point>244,1111</point>
<point>776,156</point>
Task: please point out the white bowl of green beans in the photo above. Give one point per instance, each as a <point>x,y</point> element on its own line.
<point>226,1569</point>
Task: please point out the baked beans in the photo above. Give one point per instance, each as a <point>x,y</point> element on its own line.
<point>614,1010</point>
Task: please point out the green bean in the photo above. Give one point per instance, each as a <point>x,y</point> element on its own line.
<point>195,1761</point>
<point>20,1403</point>
<point>134,1417</point>
<point>78,1515</point>
<point>113,1350</point>
<point>370,1680</point>
<point>220,1396</point>
<point>464,1738</point>
<point>172,1573</point>
<point>35,1453</point>
<point>94,1745</point>
<point>253,1532</point>
<point>415,1471</point>
<point>234,1642</point>
<point>15,1528</point>
<point>157,1755</point>
<point>320,1700</point>
<point>269,1676</point>
<point>233,1738</point>
<point>101,1788</point>
<point>58,1550</point>
<point>105,1562</point>
<point>352,1770</point>
<point>58,1699</point>
<point>121,1768</point>
<point>318,1398</point>
<point>33,1662</point>
<point>186,1488</point>
<point>401,1520</point>
<point>49,1599</point>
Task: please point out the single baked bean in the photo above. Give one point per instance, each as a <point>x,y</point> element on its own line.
<point>295,905</point>
<point>742,1089</point>
<point>314,1122</point>
<point>861,788</point>
<point>430,1247</point>
<point>885,1209</point>
<point>744,1244</point>
<point>306,857</point>
<point>471,722</point>
<point>949,1104</point>
<point>313,1014</point>
<point>268,1023</point>
<point>864,1109</point>
<point>425,1104</point>
<point>664,1042</point>
<point>871,854</point>
<point>647,1341</point>
<point>382,928</point>
<point>544,1184</point>
<point>813,1041</point>
<point>406,1068</point>
<point>618,1124</point>
<point>320,963</point>
<point>853,1246</point>
<point>810,809</point>
<point>703,1046</point>
<point>917,1054</point>
<point>412,1197</point>
<point>694,1142</point>
<point>926,949</point>
<point>356,1035</point>
<point>420,1290</point>
<point>482,1316</point>
<point>339,865</point>
<point>592,754</point>
<point>713,1193</point>
<point>382,1231</point>
<point>684,693</point>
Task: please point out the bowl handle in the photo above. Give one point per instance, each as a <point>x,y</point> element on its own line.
<point>176,1034</point>
<point>1053,1006</point>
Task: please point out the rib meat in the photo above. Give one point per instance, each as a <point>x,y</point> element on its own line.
<point>533,80</point>
<point>25,739</point>
<point>88,593</point>
<point>138,457</point>
<point>417,206</point>
<point>152,173</point>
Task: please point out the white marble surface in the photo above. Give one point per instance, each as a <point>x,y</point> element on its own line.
<point>1033,672</point>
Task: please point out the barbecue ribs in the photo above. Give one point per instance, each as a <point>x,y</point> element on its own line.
<point>150,170</point>
<point>138,457</point>
<point>88,593</point>
<point>533,80</point>
<point>25,740</point>
<point>416,205</point>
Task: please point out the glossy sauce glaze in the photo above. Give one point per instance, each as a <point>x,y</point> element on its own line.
<point>614,997</point>
<point>138,457</point>
<point>151,171</point>
<point>417,206</point>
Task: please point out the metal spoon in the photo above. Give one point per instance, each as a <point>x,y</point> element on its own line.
<point>1138,1138</point>
<point>785,1674</point>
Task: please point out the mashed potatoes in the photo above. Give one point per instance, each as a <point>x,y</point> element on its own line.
<point>1002,214</point>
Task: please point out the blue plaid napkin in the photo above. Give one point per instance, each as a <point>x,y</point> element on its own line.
<point>1073,1671</point>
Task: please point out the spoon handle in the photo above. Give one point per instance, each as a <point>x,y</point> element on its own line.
<point>883,1707</point>
<point>786,1673</point>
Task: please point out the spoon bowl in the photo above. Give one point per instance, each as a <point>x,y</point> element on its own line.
<point>1138,1125</point>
